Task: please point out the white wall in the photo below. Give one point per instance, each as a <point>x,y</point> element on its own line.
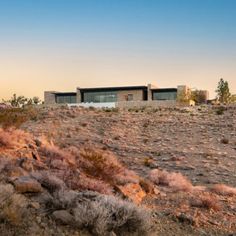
<point>95,105</point>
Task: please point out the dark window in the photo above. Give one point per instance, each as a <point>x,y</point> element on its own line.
<point>164,95</point>
<point>65,99</point>
<point>97,97</point>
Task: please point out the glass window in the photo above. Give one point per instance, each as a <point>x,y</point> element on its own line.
<point>164,95</point>
<point>98,97</point>
<point>66,99</point>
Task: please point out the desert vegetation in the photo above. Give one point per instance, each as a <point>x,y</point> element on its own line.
<point>76,171</point>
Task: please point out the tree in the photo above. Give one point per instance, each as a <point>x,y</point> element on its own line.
<point>21,101</point>
<point>36,100</point>
<point>184,96</point>
<point>233,98</point>
<point>199,96</point>
<point>17,101</point>
<point>223,93</point>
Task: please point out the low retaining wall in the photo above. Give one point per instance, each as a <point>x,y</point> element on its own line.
<point>141,104</point>
<point>95,105</point>
<point>125,104</point>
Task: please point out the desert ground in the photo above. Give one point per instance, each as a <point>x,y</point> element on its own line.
<point>176,167</point>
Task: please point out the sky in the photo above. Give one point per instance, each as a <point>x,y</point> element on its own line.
<point>63,44</point>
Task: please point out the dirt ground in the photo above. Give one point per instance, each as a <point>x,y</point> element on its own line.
<point>196,142</point>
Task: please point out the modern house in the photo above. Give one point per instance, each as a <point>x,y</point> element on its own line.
<point>113,94</point>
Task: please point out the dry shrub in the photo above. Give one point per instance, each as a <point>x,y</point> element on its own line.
<point>3,163</point>
<point>13,206</point>
<point>13,138</point>
<point>225,141</point>
<point>126,176</point>
<point>147,185</point>
<point>5,139</point>
<point>224,190</point>
<point>101,165</point>
<point>48,180</point>
<point>15,117</point>
<point>206,201</point>
<point>86,183</point>
<point>54,153</point>
<point>103,214</point>
<point>176,181</point>
<point>88,169</point>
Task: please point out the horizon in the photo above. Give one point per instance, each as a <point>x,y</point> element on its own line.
<point>60,45</point>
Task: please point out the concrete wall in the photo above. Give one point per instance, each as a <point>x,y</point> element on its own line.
<point>78,95</point>
<point>150,87</point>
<point>123,95</point>
<point>141,104</point>
<point>50,97</point>
<point>95,105</point>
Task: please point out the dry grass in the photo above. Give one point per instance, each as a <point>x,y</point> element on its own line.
<point>13,138</point>
<point>105,166</point>
<point>146,185</point>
<point>224,190</point>
<point>86,183</point>
<point>56,157</point>
<point>13,206</point>
<point>100,164</point>
<point>206,201</point>
<point>175,181</point>
<point>5,139</point>
<point>15,117</point>
<point>87,169</point>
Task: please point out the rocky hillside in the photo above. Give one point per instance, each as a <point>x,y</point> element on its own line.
<point>76,171</point>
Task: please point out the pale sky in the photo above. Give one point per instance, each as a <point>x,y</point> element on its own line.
<point>63,44</point>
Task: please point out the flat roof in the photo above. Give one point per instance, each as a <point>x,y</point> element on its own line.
<point>124,88</point>
<point>65,94</point>
<point>163,90</point>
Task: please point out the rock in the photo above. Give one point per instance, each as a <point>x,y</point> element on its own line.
<point>183,218</point>
<point>63,217</point>
<point>38,142</point>
<point>132,191</point>
<point>14,171</point>
<point>35,205</point>
<point>156,191</point>
<point>38,219</point>
<point>26,164</point>
<point>36,156</point>
<point>25,184</point>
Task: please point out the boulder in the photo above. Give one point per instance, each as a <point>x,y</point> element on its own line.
<point>132,191</point>
<point>63,217</point>
<point>25,184</point>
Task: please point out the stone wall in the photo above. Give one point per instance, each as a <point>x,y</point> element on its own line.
<point>141,104</point>
<point>78,95</point>
<point>49,97</point>
<point>137,95</point>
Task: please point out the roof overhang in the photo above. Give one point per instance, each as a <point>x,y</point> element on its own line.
<point>104,89</point>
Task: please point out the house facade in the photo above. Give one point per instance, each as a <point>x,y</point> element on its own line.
<point>114,95</point>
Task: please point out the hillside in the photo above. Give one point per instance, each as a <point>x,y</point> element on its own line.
<point>160,172</point>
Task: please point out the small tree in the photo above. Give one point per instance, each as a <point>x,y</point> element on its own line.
<point>17,101</point>
<point>198,96</point>
<point>222,91</point>
<point>233,98</point>
<point>36,100</point>
<point>184,96</point>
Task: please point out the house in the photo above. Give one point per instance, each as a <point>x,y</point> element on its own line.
<point>115,94</point>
